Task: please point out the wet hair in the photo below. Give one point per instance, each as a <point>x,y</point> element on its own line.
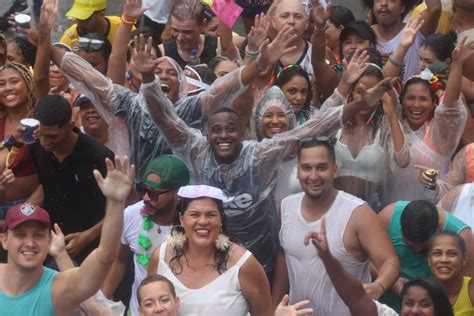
<point>3,44</point>
<point>314,142</point>
<point>418,80</point>
<point>441,304</point>
<point>220,256</point>
<point>341,16</point>
<point>27,77</point>
<point>224,110</point>
<point>441,45</point>
<point>459,240</point>
<point>408,4</point>
<point>53,110</point>
<point>185,10</point>
<point>152,279</point>
<point>207,75</point>
<point>419,221</point>
<point>286,74</point>
<point>27,49</point>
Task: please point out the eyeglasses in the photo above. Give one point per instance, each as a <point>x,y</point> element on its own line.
<point>322,139</point>
<point>155,195</point>
<point>90,43</point>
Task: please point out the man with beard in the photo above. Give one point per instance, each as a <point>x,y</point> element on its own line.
<point>147,223</point>
<point>389,16</point>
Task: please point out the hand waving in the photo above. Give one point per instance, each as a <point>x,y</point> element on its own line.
<point>389,101</point>
<point>133,8</point>
<point>58,244</point>
<point>144,60</point>
<point>320,13</point>
<point>272,52</point>
<point>119,180</point>
<point>408,36</point>
<point>463,51</point>
<point>259,31</point>
<point>49,11</point>
<point>354,69</point>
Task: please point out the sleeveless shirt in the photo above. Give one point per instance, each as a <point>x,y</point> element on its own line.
<point>221,296</point>
<point>463,305</point>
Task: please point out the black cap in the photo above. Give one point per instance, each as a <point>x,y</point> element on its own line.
<point>362,29</point>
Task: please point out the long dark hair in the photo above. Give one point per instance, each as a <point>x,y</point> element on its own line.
<point>220,256</point>
<point>441,304</point>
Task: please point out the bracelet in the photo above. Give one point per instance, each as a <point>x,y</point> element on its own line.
<point>251,53</point>
<point>394,61</point>
<point>129,21</point>
<point>381,285</point>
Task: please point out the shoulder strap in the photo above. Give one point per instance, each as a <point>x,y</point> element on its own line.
<point>163,251</point>
<point>242,259</point>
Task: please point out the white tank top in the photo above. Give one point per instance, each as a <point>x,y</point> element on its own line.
<point>306,272</point>
<point>221,296</point>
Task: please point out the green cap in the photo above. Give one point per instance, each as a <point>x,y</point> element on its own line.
<point>172,171</point>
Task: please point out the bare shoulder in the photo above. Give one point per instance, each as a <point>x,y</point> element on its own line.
<point>385,214</point>
<point>362,216</point>
<point>235,253</point>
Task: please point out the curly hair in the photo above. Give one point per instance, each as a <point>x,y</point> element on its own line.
<point>3,45</point>
<point>220,256</point>
<point>27,49</point>
<point>27,77</point>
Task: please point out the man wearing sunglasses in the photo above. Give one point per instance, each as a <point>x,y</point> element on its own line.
<point>147,223</point>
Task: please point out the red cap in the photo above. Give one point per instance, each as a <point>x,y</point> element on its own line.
<point>24,212</point>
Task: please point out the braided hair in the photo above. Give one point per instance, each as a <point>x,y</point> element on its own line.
<point>27,49</point>
<point>28,79</point>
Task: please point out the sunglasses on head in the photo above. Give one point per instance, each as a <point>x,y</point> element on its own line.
<point>90,43</point>
<point>154,195</point>
<point>322,139</point>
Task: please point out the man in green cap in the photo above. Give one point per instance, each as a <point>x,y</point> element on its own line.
<point>89,16</point>
<point>147,223</point>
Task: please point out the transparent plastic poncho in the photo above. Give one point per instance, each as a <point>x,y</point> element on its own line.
<point>248,181</point>
<point>460,202</point>
<point>431,146</point>
<point>114,102</point>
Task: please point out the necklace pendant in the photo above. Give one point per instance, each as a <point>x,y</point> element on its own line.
<point>159,230</point>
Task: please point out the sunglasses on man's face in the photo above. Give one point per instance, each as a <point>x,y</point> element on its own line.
<point>155,195</point>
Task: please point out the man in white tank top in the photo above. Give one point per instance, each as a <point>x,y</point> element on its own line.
<point>354,235</point>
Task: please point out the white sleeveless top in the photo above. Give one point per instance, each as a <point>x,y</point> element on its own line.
<point>306,272</point>
<point>222,296</point>
<point>369,165</point>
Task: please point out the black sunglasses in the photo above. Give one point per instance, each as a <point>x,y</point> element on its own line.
<point>155,195</point>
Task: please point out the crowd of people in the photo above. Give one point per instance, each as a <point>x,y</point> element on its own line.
<point>161,163</point>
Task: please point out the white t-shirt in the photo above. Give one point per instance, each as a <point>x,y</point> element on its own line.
<point>412,60</point>
<point>158,11</point>
<point>132,227</point>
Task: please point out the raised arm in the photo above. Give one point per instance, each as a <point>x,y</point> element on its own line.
<point>460,54</point>
<point>73,286</point>
<point>326,77</point>
<point>226,89</point>
<point>431,16</point>
<point>117,62</point>
<point>349,288</point>
<point>396,60</point>
<point>226,41</point>
<point>49,10</point>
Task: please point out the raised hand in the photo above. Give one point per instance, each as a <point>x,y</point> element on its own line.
<point>373,95</point>
<point>284,309</point>
<point>320,13</point>
<point>319,240</point>
<point>119,180</point>
<point>463,51</point>
<point>408,36</point>
<point>354,69</point>
<point>58,244</point>
<point>144,60</point>
<point>259,31</point>
<point>272,52</point>
<point>133,8</point>
<point>389,101</point>
<point>49,11</point>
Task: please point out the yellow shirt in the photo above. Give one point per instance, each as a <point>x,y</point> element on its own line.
<point>446,20</point>
<point>71,37</point>
<point>463,305</point>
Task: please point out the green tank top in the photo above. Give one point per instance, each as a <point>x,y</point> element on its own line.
<point>414,264</point>
<point>36,301</point>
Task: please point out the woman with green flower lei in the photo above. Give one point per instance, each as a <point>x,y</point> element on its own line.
<point>211,274</point>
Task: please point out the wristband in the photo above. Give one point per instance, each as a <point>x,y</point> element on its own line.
<point>251,53</point>
<point>129,21</point>
<point>394,61</point>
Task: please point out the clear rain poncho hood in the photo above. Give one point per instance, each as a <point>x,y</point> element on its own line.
<point>273,97</point>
